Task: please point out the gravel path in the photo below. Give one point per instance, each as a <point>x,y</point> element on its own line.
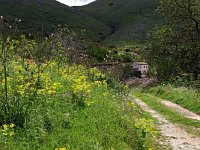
<point>177,137</point>
<point>186,113</point>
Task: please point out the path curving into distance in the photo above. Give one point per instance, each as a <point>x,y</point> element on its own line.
<point>177,137</point>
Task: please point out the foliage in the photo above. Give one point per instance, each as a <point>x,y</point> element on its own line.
<point>175,45</point>
<point>128,57</point>
<point>71,103</point>
<point>99,53</point>
<point>117,57</point>
<point>50,100</point>
<point>128,71</point>
<point>6,134</point>
<point>44,16</point>
<point>21,81</point>
<point>144,127</point>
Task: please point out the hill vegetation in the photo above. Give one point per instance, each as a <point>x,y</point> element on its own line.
<point>102,20</point>
<point>130,20</point>
<point>42,16</point>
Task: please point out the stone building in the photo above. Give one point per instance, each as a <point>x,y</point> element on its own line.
<point>141,69</point>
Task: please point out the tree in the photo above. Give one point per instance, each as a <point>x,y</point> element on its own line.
<point>176,44</point>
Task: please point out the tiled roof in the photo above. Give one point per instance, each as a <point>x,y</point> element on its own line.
<point>141,63</point>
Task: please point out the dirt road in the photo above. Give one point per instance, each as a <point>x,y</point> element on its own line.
<point>177,137</point>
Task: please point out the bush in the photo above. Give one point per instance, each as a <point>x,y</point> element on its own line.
<point>128,57</point>
<point>128,71</point>
<point>117,57</point>
<point>99,53</point>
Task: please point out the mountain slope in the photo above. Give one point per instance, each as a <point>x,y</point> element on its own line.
<point>110,21</point>
<point>38,15</point>
<point>129,19</point>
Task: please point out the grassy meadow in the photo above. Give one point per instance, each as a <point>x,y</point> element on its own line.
<point>48,103</point>
<point>74,109</point>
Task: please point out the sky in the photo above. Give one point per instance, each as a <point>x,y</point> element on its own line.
<point>75,2</point>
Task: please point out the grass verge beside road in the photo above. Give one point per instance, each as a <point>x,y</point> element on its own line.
<point>187,98</point>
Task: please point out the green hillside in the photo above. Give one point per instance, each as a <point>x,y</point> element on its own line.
<point>104,20</point>
<point>130,19</point>
<point>39,15</point>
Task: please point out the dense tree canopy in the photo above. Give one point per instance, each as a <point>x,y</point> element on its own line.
<point>176,44</point>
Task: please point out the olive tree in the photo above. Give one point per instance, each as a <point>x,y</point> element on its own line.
<point>176,44</point>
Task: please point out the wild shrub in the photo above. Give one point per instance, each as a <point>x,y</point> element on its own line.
<point>22,65</point>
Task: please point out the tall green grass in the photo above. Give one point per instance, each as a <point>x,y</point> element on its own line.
<point>57,122</point>
<point>106,121</point>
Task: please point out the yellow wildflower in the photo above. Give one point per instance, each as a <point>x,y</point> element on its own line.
<point>5,127</point>
<point>105,94</point>
<point>61,148</point>
<point>12,125</point>
<point>12,133</point>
